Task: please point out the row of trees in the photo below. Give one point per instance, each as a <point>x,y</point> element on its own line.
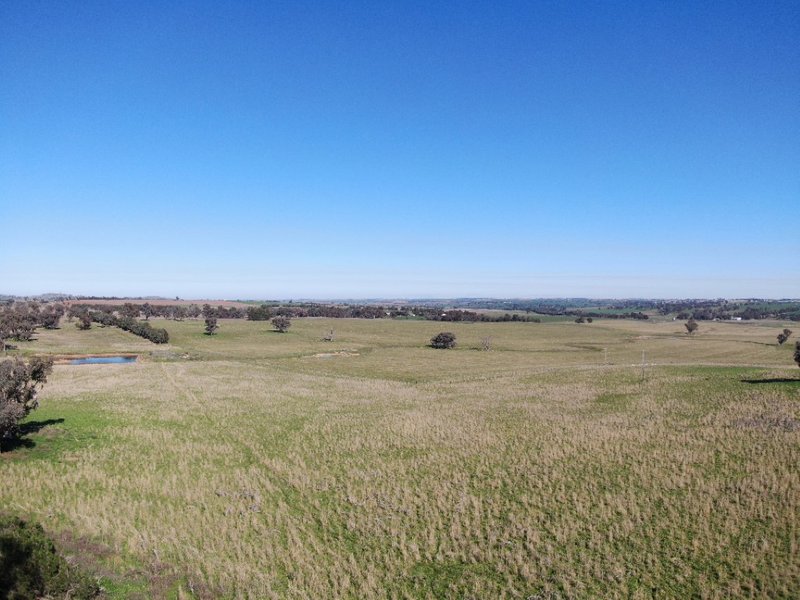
<point>746,313</point>
<point>142,329</point>
<point>176,312</point>
<point>266,312</point>
<point>586,314</point>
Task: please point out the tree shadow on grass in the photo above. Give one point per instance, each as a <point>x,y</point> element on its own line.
<point>772,380</point>
<point>24,430</point>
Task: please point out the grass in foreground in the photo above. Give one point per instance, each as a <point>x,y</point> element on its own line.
<point>257,468</point>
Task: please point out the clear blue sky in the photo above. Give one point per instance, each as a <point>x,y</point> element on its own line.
<point>400,149</point>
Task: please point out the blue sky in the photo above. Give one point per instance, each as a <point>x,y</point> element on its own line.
<point>400,149</point>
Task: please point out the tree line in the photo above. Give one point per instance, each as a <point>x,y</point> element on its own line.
<point>266,312</point>
<point>130,324</point>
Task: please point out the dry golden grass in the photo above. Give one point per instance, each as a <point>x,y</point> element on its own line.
<point>256,469</point>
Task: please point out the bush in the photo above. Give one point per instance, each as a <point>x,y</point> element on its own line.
<point>281,323</point>
<point>30,566</point>
<point>211,325</point>
<point>691,326</point>
<point>443,340</point>
<point>19,388</point>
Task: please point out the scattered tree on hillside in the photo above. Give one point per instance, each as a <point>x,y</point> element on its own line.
<point>783,336</point>
<point>180,313</point>
<point>147,311</point>
<point>19,387</point>
<point>443,340</point>
<point>281,323</point>
<point>73,311</point>
<point>589,319</point>
<point>797,353</point>
<point>211,325</point>
<point>691,326</point>
<point>19,320</point>
<point>84,321</point>
<point>50,315</point>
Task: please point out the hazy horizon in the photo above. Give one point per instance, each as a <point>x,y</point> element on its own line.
<point>401,298</point>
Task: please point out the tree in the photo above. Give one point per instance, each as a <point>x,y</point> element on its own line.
<point>211,325</point>
<point>50,315</point>
<point>147,311</point>
<point>130,310</point>
<point>443,340</point>
<point>84,321</point>
<point>691,326</point>
<point>281,323</point>
<point>797,353</point>
<point>19,388</point>
<point>783,336</point>
<point>20,320</point>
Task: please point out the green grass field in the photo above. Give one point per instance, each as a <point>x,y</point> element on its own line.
<point>254,464</point>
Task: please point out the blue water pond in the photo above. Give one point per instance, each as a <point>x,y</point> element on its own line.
<point>103,360</point>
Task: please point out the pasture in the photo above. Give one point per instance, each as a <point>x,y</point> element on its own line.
<point>254,464</point>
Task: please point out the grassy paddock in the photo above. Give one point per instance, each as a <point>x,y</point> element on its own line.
<point>266,465</point>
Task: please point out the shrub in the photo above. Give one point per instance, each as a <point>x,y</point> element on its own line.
<point>30,566</point>
<point>691,326</point>
<point>281,323</point>
<point>783,336</point>
<point>19,388</point>
<point>443,340</point>
<point>211,325</point>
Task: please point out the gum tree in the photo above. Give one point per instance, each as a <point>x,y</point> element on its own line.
<point>19,389</point>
